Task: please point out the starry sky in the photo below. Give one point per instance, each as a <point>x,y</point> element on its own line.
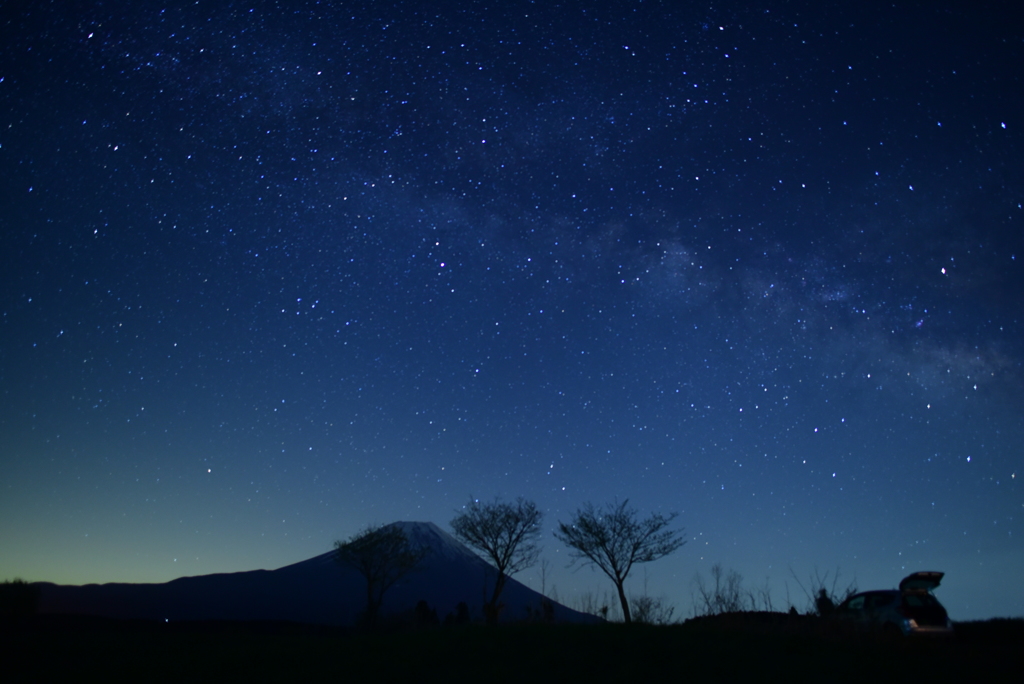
<point>274,271</point>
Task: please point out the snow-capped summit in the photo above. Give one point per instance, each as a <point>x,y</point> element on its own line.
<point>440,543</point>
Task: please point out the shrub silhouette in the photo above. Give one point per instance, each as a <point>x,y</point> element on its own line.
<point>18,598</point>
<point>425,615</point>
<point>725,594</point>
<point>652,610</point>
<point>460,617</point>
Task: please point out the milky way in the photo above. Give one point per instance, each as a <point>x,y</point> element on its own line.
<point>271,274</point>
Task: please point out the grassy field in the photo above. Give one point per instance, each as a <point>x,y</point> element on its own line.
<point>75,649</point>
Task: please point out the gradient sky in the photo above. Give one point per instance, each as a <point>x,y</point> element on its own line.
<point>271,272</point>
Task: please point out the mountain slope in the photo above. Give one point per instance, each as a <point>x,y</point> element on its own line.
<point>315,591</point>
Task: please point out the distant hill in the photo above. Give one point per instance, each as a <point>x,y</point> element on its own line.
<point>315,591</point>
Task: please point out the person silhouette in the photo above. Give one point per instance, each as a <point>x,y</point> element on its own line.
<point>824,604</point>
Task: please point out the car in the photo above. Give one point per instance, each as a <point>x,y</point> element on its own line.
<point>909,610</point>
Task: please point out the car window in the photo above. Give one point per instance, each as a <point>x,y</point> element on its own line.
<point>882,600</point>
<point>856,603</point>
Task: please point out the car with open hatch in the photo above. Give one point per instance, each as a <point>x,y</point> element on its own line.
<point>911,609</point>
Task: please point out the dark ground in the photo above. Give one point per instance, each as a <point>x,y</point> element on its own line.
<point>53,648</point>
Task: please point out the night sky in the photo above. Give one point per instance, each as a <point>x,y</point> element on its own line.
<point>272,272</point>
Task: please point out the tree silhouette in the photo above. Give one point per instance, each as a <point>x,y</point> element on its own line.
<point>614,540</point>
<point>382,555</point>
<point>504,533</point>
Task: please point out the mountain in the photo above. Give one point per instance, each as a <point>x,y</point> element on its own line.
<point>315,591</point>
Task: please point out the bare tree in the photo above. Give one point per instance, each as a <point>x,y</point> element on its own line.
<point>761,597</point>
<point>613,540</point>
<point>545,567</point>
<point>382,555</point>
<point>726,594</point>
<point>505,534</point>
